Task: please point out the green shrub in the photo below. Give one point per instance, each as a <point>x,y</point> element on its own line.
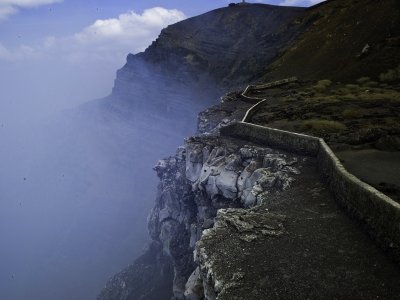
<point>353,87</point>
<point>352,113</point>
<point>322,85</point>
<point>385,95</point>
<point>349,97</point>
<point>321,126</point>
<point>371,84</point>
<point>363,80</point>
<point>340,91</point>
<point>392,122</point>
<point>390,75</point>
<point>323,99</point>
<point>325,82</point>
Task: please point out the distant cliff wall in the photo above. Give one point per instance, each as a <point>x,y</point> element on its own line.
<point>220,49</point>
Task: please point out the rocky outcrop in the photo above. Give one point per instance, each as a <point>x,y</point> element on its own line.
<point>248,225</point>
<point>235,220</point>
<point>205,175</point>
<point>209,173</point>
<point>149,277</point>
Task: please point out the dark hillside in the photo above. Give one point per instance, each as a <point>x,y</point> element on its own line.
<point>347,39</point>
<point>226,46</point>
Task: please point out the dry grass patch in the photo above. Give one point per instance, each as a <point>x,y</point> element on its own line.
<point>390,75</point>
<point>371,84</point>
<point>322,85</point>
<point>354,88</point>
<point>322,100</point>
<point>353,113</point>
<point>363,80</point>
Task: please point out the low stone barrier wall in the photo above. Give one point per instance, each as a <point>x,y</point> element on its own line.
<point>252,111</point>
<point>263,87</point>
<point>274,138</point>
<point>379,214</point>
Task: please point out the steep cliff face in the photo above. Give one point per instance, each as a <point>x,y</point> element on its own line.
<point>206,174</point>
<point>191,61</point>
<point>189,66</point>
<point>230,44</point>
<point>157,97</point>
<point>237,220</point>
<point>209,174</point>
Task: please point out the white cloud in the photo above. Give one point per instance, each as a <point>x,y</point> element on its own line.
<point>130,26</point>
<point>22,52</point>
<point>116,37</point>
<point>300,2</point>
<point>6,11</point>
<point>27,3</point>
<point>108,39</point>
<point>9,7</point>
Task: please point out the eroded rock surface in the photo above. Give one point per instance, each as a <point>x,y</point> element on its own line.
<point>208,174</point>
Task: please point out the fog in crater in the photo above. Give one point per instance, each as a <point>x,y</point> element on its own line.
<point>76,178</point>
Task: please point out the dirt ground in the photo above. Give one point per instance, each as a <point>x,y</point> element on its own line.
<point>322,253</point>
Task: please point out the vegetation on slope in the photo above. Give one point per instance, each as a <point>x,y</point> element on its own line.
<point>346,39</point>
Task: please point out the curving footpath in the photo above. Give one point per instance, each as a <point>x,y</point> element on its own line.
<point>378,213</point>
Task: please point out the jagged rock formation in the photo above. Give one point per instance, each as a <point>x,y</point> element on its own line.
<point>207,174</point>
<point>149,278</point>
<point>217,174</point>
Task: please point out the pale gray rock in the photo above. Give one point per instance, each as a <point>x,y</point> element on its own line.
<point>194,286</point>
<point>226,183</point>
<point>207,176</point>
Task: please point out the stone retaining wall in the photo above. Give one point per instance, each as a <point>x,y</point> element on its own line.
<point>377,212</point>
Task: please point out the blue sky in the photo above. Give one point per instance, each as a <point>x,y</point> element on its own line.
<point>30,23</point>
<point>67,51</point>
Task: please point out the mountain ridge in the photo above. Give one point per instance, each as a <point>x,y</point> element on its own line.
<point>220,51</point>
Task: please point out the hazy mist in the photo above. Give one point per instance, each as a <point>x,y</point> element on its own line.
<point>76,182</point>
